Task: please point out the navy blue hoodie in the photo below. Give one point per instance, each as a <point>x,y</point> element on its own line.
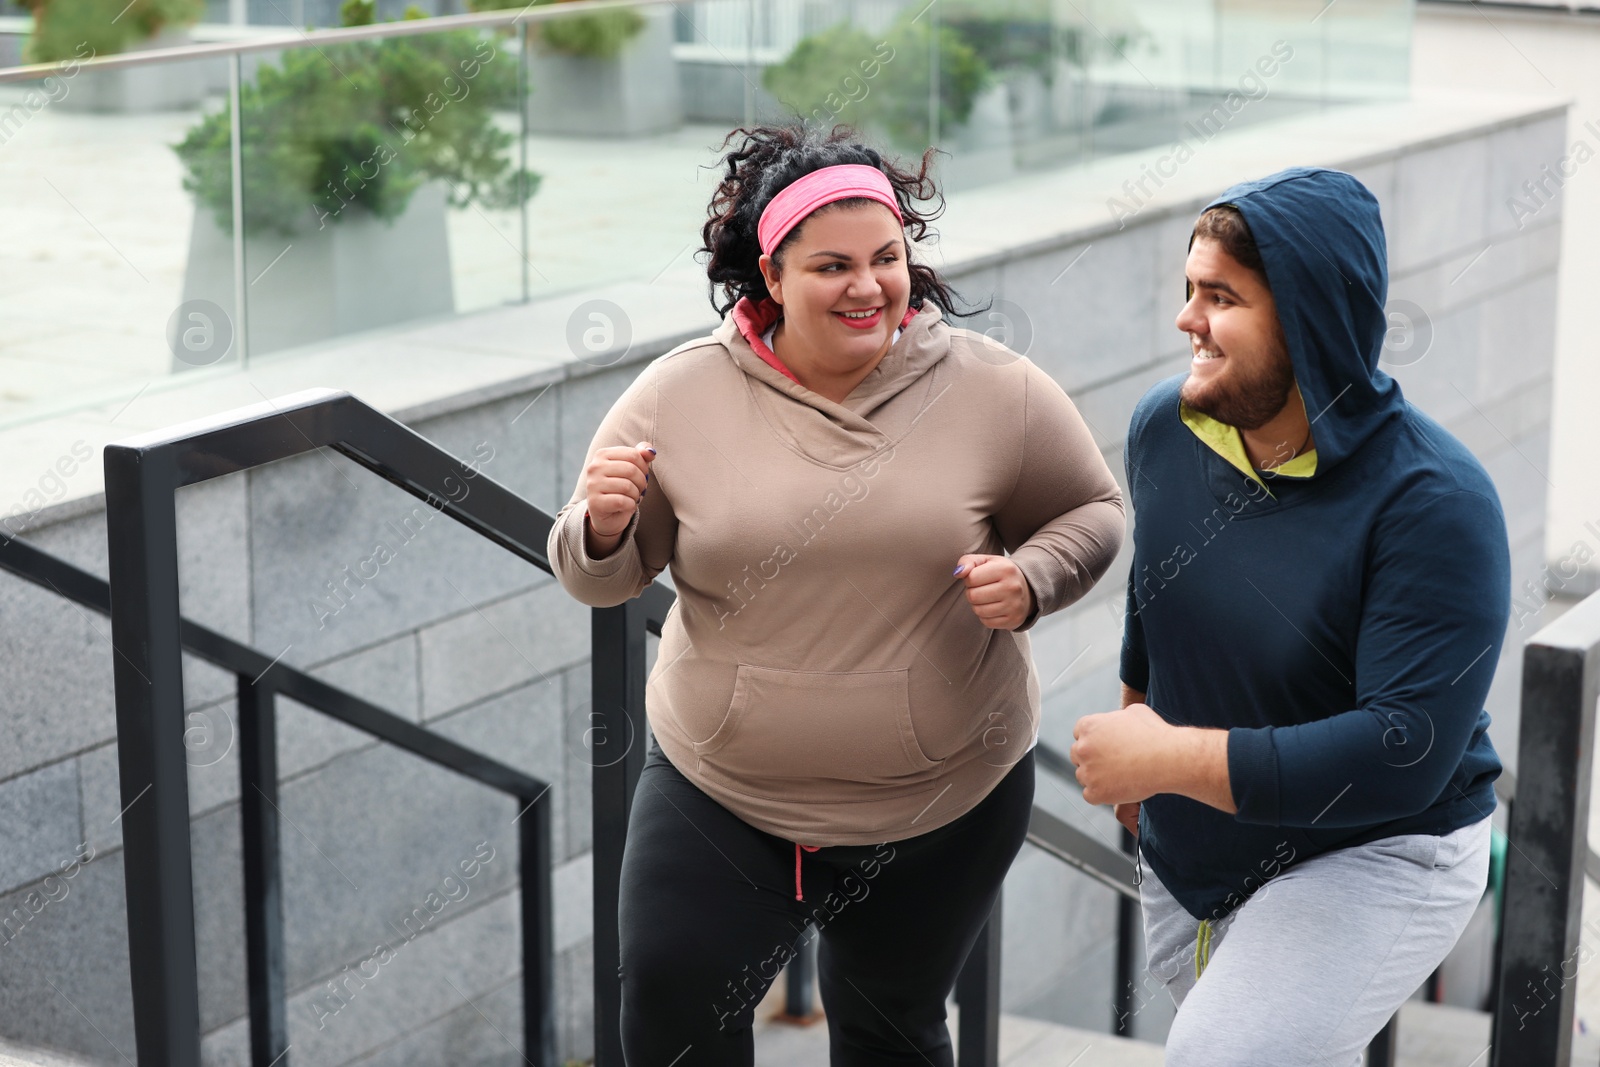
<point>1344,625</point>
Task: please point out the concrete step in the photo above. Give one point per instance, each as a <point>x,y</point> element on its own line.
<point>1023,1043</point>
<point>15,1055</point>
<point>1438,1035</point>
<point>1431,1035</point>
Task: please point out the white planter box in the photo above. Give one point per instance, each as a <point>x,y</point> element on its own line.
<point>634,93</point>
<point>358,273</point>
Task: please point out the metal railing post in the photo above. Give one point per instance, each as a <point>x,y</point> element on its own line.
<point>978,997</point>
<point>1536,984</point>
<point>263,877</point>
<point>142,540</point>
<point>1122,997</point>
<point>241,287</point>
<point>1384,1050</point>
<point>617,725</point>
<point>538,931</point>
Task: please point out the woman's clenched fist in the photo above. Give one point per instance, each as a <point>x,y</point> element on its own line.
<point>997,590</point>
<point>616,480</point>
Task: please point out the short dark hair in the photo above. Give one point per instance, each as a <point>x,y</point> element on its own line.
<point>1225,225</point>
<point>769,159</point>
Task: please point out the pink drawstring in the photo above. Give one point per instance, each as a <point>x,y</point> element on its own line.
<point>797,847</point>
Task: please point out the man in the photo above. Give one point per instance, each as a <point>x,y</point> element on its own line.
<point>1319,591</point>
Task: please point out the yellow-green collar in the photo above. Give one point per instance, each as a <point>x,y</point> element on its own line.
<point>1225,441</point>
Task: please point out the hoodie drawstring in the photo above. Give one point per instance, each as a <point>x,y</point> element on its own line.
<point>797,847</point>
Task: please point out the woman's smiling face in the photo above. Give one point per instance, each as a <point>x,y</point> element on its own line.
<point>844,286</point>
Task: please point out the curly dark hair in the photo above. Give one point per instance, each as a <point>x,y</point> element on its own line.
<point>772,157</point>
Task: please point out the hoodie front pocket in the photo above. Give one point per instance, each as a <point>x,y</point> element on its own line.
<point>850,725</point>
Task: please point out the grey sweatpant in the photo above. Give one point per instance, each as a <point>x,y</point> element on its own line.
<point>1309,969</point>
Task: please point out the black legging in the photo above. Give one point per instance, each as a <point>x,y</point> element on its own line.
<point>709,917</point>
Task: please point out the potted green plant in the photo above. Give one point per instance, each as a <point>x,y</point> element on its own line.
<point>600,74</point>
<point>1043,56</point>
<point>883,85</point>
<point>65,30</point>
<point>351,154</point>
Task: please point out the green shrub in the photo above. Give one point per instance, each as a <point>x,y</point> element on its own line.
<point>1027,35</point>
<point>364,124</point>
<point>844,75</point>
<point>602,35</point>
<point>62,28</point>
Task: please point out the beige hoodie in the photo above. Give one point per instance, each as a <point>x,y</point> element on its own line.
<point>821,674</point>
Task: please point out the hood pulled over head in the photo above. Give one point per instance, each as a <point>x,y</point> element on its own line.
<point>1321,240</point>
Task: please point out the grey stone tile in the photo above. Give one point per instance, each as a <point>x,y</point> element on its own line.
<point>307,738</point>
<point>1440,197</point>
<point>977,288</point>
<point>1071,647</point>
<point>380,997</point>
<point>43,823</point>
<point>53,990</point>
<point>1519,336</point>
<point>342,564</point>
<point>217,859</point>
<point>366,838</point>
<point>55,677</point>
<point>387,675</point>
<point>579,770</point>
<point>99,785</point>
<point>204,684</point>
<point>463,1036</point>
<point>519,433</point>
<point>214,572</point>
<point>1058,950</point>
<point>1107,408</point>
<point>582,404</point>
<point>213,779</point>
<point>80,541</point>
<point>1085,691</point>
<point>1171,241</point>
<point>573,885</point>
<point>1092,322</point>
<point>575,1003</point>
<point>526,637</point>
<point>1519,468</point>
<point>1443,379</point>
<point>522,729</point>
<point>1478,276</point>
<point>1517,175</point>
<point>212,752</point>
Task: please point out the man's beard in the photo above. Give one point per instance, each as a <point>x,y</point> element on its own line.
<point>1250,403</point>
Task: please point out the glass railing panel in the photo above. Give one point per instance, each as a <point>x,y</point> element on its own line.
<point>418,178</point>
<point>94,270</point>
<point>382,184</point>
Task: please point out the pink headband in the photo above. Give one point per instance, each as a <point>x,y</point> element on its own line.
<point>800,198</point>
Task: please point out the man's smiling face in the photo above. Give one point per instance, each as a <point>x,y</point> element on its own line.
<point>1240,373</point>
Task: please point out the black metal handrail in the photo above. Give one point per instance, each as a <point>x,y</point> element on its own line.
<point>259,779</point>
<point>1549,816</point>
<point>149,636</point>
<point>1549,837</point>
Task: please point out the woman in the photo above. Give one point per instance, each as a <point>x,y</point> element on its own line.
<point>844,724</point>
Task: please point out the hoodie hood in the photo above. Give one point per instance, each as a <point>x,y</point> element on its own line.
<point>1321,240</point>
<point>836,434</point>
